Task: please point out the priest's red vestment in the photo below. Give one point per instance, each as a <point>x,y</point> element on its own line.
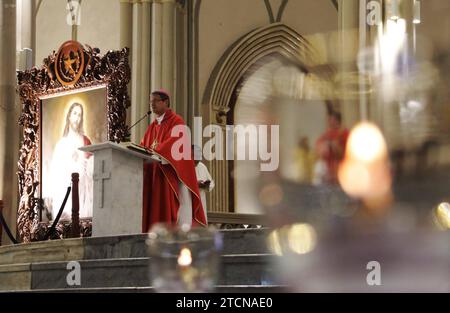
<point>161,194</point>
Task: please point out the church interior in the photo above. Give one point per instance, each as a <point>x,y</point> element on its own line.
<point>322,126</point>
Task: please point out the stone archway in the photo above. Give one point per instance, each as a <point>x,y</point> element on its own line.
<point>229,73</point>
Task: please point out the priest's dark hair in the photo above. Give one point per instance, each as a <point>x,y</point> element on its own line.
<point>163,96</point>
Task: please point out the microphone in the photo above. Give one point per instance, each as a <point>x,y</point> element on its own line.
<point>146,114</point>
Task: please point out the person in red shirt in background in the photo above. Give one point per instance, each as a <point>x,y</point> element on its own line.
<point>330,147</point>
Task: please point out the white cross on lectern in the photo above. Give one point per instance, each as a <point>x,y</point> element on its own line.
<point>102,176</point>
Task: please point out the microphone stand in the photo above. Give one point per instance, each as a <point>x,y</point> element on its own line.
<point>147,114</point>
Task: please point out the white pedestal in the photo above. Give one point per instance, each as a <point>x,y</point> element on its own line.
<point>118,184</point>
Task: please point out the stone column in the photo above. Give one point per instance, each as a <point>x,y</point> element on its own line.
<point>8,113</point>
<point>156,54</point>
<point>180,62</point>
<point>163,55</point>
<point>74,16</point>
<point>219,197</point>
<point>348,45</point>
<point>145,62</point>
<point>370,27</point>
<point>126,37</point>
<point>140,69</point>
<point>28,28</point>
<point>136,69</point>
<point>126,18</point>
<point>356,42</point>
<point>168,47</point>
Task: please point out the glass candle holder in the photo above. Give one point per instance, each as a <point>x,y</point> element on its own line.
<point>183,259</point>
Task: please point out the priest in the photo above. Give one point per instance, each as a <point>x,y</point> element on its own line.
<point>171,193</point>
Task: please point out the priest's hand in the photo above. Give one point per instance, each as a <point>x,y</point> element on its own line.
<point>204,184</point>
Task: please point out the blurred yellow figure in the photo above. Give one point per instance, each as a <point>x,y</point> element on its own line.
<point>304,158</point>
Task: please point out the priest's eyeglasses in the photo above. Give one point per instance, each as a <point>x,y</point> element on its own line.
<point>154,100</point>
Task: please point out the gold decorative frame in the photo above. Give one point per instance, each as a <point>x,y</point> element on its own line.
<point>111,70</point>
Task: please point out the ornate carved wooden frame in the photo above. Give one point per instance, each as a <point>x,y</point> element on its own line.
<point>111,70</point>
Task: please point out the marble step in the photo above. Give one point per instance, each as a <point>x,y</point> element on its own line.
<point>235,241</point>
<point>237,269</point>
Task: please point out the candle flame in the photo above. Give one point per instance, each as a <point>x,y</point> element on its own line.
<point>185,257</point>
<point>364,172</point>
